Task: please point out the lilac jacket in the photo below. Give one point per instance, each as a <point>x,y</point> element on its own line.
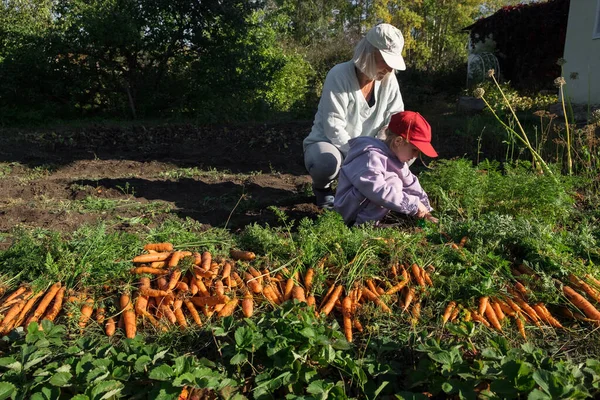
<point>373,181</point>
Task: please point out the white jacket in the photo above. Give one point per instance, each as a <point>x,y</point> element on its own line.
<point>343,112</point>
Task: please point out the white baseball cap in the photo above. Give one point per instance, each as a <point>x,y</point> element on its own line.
<point>389,40</point>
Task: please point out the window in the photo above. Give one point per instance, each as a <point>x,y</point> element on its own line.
<point>596,34</point>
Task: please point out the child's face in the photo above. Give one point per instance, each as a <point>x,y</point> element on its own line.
<point>403,150</point>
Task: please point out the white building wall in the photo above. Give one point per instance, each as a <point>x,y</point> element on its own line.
<point>582,52</point>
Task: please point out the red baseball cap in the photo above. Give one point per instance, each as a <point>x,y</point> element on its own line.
<point>415,129</point>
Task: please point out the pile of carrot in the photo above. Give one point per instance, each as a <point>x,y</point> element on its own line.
<point>178,288</point>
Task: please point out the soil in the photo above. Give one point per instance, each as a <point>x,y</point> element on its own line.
<point>142,174</point>
<point>225,176</point>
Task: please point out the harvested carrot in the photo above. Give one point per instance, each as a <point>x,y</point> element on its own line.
<point>374,298</point>
<point>580,302</point>
<point>497,310</point>
<point>357,325</point>
<point>194,313</point>
<point>594,280</point>
<point>253,283</point>
<point>242,255</point>
<point>11,315</point>
<point>179,314</point>
<point>229,308</point>
<point>146,258</point>
<point>100,314</point>
<point>185,393</point>
<point>239,282</point>
<point>522,290</point>
<point>175,276</point>
<point>148,292</point>
<point>505,308</point>
<point>335,295</point>
<point>149,270</point>
<point>545,315</point>
<point>219,287</point>
<point>416,272</point>
<point>448,312</point>
<point>193,285</point>
<point>28,306</point>
<point>397,287</point>
<point>298,293</point>
<point>454,315</point>
<point>427,277</point>
<point>206,261</point>
<point>247,305</point>
<point>409,295</point>
<point>46,300</point>
<point>528,310</point>
<point>141,304</point>
<point>579,284</point>
<point>492,318</point>
<point>182,287</point>
<point>159,247</point>
<point>479,318</point>
<point>14,295</point>
<point>463,241</point>
<point>209,300</point>
<point>52,313</point>
<point>175,258</point>
<point>416,312</point>
<point>289,286</point>
<point>86,312</point>
<point>521,327</point>
<point>128,315</point>
<point>226,270</point>
<point>483,301</point>
<point>371,286</point>
<point>110,326</point>
<point>347,315</point>
<point>202,288</point>
<point>308,279</point>
<point>326,297</point>
<point>254,272</point>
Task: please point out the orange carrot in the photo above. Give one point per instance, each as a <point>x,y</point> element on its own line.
<point>229,308</point>
<point>492,318</point>
<point>15,294</point>
<point>347,314</point>
<point>247,305</point>
<point>206,261</point>
<point>202,290</point>
<point>148,292</point>
<point>426,277</point>
<point>308,279</point>
<point>335,295</point>
<point>357,325</point>
<point>141,304</point>
<point>46,300</point>
<point>179,314</point>
<point>289,286</point>
<point>448,312</point>
<point>10,316</point>
<point>298,293</point>
<point>408,297</point>
<point>175,276</point>
<point>580,302</point>
<point>182,287</point>
<point>483,301</point>
<point>498,310</point>
<point>219,287</point>
<point>416,272</point>
<point>242,255</point>
<point>239,282</point>
<point>463,241</point>
<point>128,315</point>
<point>192,309</point>
<point>253,283</point>
<point>159,247</point>
<point>371,286</point>
<point>148,270</point>
<point>209,301</point>
<point>175,258</point>
<point>590,291</point>
<point>110,326</point>
<point>454,315</point>
<point>226,270</point>
<point>86,312</point>
<point>479,318</point>
<point>145,258</point>
<point>545,315</point>
<point>416,311</point>
<point>521,327</point>
<point>505,308</point>
<point>324,298</point>
<point>528,310</point>
<point>56,305</point>
<point>522,290</point>
<point>397,287</point>
<point>374,298</point>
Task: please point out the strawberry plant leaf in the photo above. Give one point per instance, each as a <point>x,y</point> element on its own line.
<point>106,389</point>
<point>161,373</point>
<point>141,363</point>
<point>6,390</point>
<point>61,379</point>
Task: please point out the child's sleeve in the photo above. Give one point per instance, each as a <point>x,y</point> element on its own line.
<point>413,187</point>
<point>387,192</point>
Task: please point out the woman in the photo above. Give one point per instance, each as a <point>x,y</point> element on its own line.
<point>359,96</point>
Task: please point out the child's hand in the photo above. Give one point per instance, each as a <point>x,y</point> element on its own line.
<point>431,218</point>
<point>422,211</point>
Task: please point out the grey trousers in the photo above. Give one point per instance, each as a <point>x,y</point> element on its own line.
<point>323,161</point>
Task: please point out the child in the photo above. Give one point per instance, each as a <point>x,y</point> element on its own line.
<point>375,178</point>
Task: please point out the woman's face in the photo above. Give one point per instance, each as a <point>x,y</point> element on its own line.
<point>403,150</point>
<point>382,68</point>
